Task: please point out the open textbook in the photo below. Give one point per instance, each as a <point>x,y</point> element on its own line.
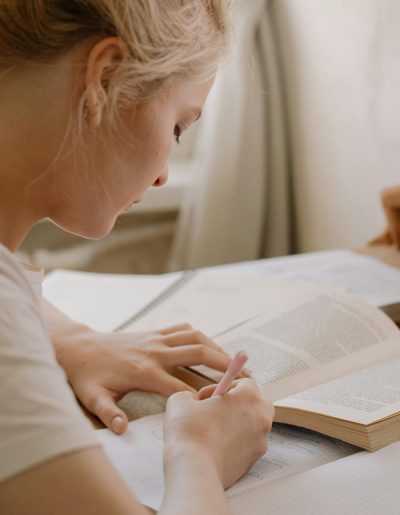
<point>329,361</point>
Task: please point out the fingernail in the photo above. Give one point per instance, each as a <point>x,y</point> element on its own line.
<point>117,424</point>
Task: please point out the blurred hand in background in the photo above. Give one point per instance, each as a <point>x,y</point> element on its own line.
<point>391,204</point>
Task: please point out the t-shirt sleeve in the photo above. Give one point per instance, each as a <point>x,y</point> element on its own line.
<point>39,416</point>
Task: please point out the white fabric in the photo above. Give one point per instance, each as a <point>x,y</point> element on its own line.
<point>35,276</point>
<point>237,208</point>
<point>39,416</point>
<point>341,62</point>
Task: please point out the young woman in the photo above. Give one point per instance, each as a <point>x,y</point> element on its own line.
<point>92,95</point>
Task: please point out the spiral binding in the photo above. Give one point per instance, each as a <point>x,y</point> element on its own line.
<point>186,276</point>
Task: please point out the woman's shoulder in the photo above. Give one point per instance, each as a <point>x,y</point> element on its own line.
<point>39,416</point>
<point>20,313</point>
<point>12,276</point>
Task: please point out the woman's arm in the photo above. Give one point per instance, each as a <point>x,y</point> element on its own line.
<point>209,444</point>
<point>192,478</point>
<point>79,483</point>
<point>85,483</point>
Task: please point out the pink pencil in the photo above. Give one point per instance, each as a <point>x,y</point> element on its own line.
<point>233,370</point>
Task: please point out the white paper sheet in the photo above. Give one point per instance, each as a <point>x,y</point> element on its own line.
<point>375,281</point>
<point>138,457</point>
<point>103,301</point>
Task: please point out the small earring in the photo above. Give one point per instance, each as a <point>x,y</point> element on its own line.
<point>86,111</point>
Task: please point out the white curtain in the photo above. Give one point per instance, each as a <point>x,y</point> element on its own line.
<point>238,206</point>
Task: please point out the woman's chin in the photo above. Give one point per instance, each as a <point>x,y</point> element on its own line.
<point>94,231</point>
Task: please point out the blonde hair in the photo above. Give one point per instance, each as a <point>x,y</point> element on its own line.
<point>165,38</point>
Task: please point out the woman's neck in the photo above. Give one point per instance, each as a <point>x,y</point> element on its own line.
<point>24,153</point>
<point>17,216</point>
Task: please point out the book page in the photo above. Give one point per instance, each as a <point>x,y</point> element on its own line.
<point>305,342</point>
<point>284,264</point>
<point>375,281</point>
<point>364,483</point>
<point>103,301</point>
<point>364,397</point>
<point>214,304</point>
<point>137,455</point>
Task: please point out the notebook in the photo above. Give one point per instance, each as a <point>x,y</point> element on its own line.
<point>362,483</point>
<point>302,473</point>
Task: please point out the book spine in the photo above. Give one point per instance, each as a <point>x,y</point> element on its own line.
<point>186,276</point>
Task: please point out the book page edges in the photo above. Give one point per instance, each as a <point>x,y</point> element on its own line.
<point>371,436</point>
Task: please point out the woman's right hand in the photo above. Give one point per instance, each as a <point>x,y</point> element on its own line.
<point>230,430</point>
<point>390,198</point>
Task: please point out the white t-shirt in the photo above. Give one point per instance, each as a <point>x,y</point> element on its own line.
<point>39,416</point>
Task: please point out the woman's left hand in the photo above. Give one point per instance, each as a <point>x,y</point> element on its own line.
<point>103,367</point>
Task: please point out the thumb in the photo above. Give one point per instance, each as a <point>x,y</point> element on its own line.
<point>104,406</point>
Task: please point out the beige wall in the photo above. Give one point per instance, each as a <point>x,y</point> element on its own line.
<point>341,62</point>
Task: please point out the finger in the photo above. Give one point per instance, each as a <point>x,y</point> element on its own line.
<point>191,337</point>
<point>166,384</point>
<point>175,329</point>
<point>103,405</point>
<point>199,338</point>
<point>206,392</point>
<point>195,355</point>
<point>245,386</point>
<point>245,373</point>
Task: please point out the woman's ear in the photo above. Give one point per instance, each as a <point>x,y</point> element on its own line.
<point>103,61</point>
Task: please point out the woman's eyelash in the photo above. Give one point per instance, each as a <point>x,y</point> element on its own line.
<point>177,134</point>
